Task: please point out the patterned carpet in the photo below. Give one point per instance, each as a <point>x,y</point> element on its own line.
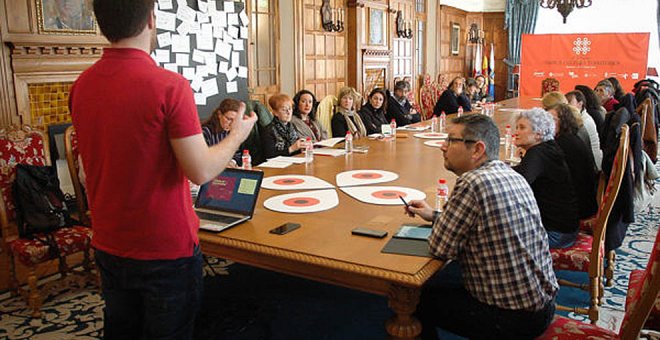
<point>257,304</point>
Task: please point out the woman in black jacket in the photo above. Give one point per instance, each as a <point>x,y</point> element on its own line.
<point>453,98</point>
<point>373,112</point>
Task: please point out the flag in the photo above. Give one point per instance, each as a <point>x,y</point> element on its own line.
<point>484,65</point>
<point>491,72</point>
<point>477,61</point>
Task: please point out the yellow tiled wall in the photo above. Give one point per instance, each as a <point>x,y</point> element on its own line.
<point>49,104</point>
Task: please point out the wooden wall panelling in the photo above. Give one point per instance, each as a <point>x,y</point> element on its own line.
<point>19,24</point>
<point>7,99</point>
<point>495,32</point>
<point>322,64</point>
<point>450,65</point>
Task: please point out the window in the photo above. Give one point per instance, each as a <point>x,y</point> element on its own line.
<point>263,37</point>
<point>419,46</point>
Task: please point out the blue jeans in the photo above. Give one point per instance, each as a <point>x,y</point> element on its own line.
<point>154,299</point>
<point>557,240</point>
<point>445,303</point>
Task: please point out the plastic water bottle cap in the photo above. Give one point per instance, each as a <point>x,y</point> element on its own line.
<point>442,181</point>
<point>508,126</point>
<point>246,152</point>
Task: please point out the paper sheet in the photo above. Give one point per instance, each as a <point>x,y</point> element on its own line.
<point>294,182</point>
<point>182,59</point>
<point>210,87</point>
<point>383,195</point>
<point>364,177</point>
<point>164,39</point>
<point>303,202</point>
<point>274,164</point>
<point>180,43</point>
<point>330,142</point>
<point>232,87</point>
<point>165,21</point>
<point>296,160</point>
<point>164,4</point>
<point>329,152</point>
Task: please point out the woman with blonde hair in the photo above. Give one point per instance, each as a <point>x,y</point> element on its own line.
<point>346,118</point>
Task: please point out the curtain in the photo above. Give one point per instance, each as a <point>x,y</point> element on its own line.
<point>519,18</point>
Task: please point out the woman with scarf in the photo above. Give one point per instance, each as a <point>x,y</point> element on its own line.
<point>304,117</point>
<point>279,138</point>
<point>345,118</point>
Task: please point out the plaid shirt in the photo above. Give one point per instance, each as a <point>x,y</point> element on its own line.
<point>492,225</point>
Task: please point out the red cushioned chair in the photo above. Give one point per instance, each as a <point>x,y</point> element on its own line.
<point>22,145</point>
<point>588,252</point>
<point>641,299</point>
<point>428,96</point>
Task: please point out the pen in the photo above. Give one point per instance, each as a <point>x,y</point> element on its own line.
<point>404,202</point>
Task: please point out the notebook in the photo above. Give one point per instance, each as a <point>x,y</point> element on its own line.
<point>229,199</point>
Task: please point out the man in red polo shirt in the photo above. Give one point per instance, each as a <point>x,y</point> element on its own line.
<point>140,139</point>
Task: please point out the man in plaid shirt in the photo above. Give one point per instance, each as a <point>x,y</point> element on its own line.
<point>501,284</point>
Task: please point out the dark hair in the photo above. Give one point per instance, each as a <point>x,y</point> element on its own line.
<point>121,19</point>
<point>481,127</point>
<point>579,97</point>
<point>402,85</point>
<point>592,103</point>
<point>567,122</point>
<point>382,93</point>
<point>296,100</point>
<point>213,122</point>
<point>471,82</point>
<point>618,89</point>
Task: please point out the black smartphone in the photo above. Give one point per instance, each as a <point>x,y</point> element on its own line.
<point>369,232</point>
<point>285,228</point>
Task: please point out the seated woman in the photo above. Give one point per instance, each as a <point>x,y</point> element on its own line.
<point>304,117</point>
<point>593,107</point>
<point>576,99</point>
<point>373,112</point>
<point>553,98</point>
<point>279,138</point>
<point>345,118</point>
<point>472,91</point>
<point>482,85</point>
<point>218,126</point>
<point>453,98</point>
<point>578,157</point>
<point>546,171</point>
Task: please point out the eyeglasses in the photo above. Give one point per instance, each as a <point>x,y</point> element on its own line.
<point>462,140</point>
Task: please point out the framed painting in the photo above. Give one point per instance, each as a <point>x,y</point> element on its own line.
<point>376,26</point>
<point>66,17</point>
<point>454,38</point>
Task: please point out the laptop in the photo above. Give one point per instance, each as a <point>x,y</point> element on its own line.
<point>229,199</point>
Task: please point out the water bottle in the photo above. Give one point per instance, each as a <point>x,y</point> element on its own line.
<point>507,139</point>
<point>460,111</point>
<point>309,150</point>
<point>512,149</point>
<point>247,160</point>
<point>441,194</point>
<point>442,122</point>
<point>348,142</point>
<point>393,128</point>
<point>434,124</point>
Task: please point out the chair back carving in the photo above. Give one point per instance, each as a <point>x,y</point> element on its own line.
<point>18,145</point>
<point>649,133</point>
<point>549,85</point>
<point>325,111</point>
<point>646,296</point>
<point>428,96</point>
<point>607,202</point>
<point>72,158</point>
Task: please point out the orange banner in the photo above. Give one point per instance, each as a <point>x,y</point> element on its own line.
<point>582,59</point>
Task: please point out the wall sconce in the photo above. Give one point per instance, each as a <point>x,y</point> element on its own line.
<point>332,19</point>
<point>564,7</point>
<point>403,28</point>
<point>475,35</point>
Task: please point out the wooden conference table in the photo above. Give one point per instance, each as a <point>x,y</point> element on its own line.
<point>324,250</point>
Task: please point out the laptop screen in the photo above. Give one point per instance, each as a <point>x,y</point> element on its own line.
<point>233,190</point>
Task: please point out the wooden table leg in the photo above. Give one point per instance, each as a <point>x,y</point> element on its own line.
<point>403,301</point>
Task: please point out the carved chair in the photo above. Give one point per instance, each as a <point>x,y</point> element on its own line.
<point>641,300</point>
<point>325,111</point>
<point>22,145</point>
<point>649,133</point>
<point>588,252</point>
<point>428,96</point>
<point>549,85</point>
<point>72,159</point>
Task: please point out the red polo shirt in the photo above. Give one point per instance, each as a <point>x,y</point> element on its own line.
<point>125,110</point>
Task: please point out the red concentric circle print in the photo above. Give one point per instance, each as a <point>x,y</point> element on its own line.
<point>288,181</point>
<point>301,202</point>
<point>367,175</point>
<point>388,194</point>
